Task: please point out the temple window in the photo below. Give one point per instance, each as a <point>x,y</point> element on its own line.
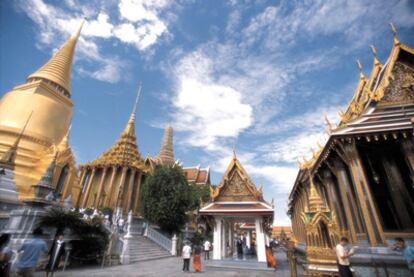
<point>61,181</point>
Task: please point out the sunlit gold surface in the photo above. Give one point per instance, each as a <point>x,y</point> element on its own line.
<point>45,95</point>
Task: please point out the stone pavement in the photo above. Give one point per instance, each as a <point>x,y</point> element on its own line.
<point>170,267</point>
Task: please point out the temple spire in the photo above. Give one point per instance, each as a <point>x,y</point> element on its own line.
<point>166,155</point>
<point>315,201</point>
<point>58,68</point>
<point>130,129</point>
<point>9,156</point>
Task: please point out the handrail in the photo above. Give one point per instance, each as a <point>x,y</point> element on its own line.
<point>159,238</point>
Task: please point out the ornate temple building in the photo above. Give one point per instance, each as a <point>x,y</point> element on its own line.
<point>114,179</point>
<point>236,208</point>
<point>45,98</point>
<point>360,184</point>
<point>197,175</point>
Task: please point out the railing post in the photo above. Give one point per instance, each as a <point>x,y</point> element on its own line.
<point>174,245</point>
<point>129,228</point>
<point>125,259</point>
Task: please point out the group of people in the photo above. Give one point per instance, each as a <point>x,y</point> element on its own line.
<point>187,252</point>
<point>30,253</point>
<point>344,251</point>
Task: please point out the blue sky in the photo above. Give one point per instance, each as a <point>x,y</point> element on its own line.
<point>256,74</point>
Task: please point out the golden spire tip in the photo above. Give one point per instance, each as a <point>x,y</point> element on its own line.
<point>78,32</point>
<point>134,109</point>
<point>394,33</point>
<point>374,50</point>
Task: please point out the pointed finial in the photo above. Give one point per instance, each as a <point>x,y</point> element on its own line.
<point>319,146</point>
<point>134,109</point>
<point>328,123</point>
<point>374,52</point>
<point>234,150</point>
<point>361,72</point>
<point>341,112</point>
<point>394,33</point>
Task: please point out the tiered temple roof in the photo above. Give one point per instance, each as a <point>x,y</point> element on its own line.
<point>124,152</point>
<point>197,175</point>
<point>382,106</point>
<point>236,194</point>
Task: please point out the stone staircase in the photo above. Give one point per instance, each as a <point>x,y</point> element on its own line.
<point>143,249</point>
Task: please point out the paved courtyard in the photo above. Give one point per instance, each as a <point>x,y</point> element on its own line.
<point>169,267</point>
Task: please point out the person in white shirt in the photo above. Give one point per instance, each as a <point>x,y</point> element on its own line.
<point>207,246</point>
<point>186,253</point>
<point>343,252</point>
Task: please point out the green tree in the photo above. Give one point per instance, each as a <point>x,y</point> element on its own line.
<point>91,236</point>
<point>166,197</point>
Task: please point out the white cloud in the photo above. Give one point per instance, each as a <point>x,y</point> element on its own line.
<point>281,178</point>
<point>139,10</point>
<point>144,25</point>
<point>141,26</point>
<point>142,37</point>
<point>295,137</point>
<point>99,27</point>
<point>206,109</point>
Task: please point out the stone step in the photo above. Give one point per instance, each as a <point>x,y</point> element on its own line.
<point>132,252</point>
<point>148,258</point>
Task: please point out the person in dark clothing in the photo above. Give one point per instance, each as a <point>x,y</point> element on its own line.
<point>239,246</point>
<point>56,252</point>
<point>5,255</point>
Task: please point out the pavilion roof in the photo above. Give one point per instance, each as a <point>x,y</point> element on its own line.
<point>237,208</point>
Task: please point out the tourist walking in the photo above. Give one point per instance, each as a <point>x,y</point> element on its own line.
<point>343,252</point>
<point>197,258</point>
<point>407,252</point>
<point>186,253</point>
<point>32,250</point>
<point>271,261</point>
<point>207,246</point>
<point>121,225</point>
<point>56,252</point>
<point>5,255</point>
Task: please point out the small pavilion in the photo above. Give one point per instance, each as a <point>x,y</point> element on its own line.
<point>237,202</point>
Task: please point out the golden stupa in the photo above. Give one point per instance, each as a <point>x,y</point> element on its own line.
<point>46,98</point>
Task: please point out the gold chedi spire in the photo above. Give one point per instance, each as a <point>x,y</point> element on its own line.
<point>166,155</point>
<point>58,68</point>
<point>130,128</point>
<point>124,152</point>
<point>315,201</point>
<point>9,157</point>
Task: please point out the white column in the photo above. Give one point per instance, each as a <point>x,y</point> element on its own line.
<point>223,239</point>
<point>217,239</point>
<point>260,241</point>
<point>248,239</point>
